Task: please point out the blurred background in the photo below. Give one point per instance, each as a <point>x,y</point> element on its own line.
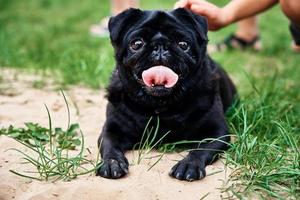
<point>52,36</point>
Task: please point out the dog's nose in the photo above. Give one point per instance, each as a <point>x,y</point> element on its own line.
<point>160,51</point>
<point>158,47</point>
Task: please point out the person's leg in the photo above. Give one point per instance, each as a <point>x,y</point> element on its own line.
<point>118,6</point>
<point>132,3</point>
<point>291,8</point>
<point>245,36</point>
<point>247,29</point>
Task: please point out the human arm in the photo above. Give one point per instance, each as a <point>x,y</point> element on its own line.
<point>234,11</point>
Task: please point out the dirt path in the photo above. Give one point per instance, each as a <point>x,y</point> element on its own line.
<point>20,103</point>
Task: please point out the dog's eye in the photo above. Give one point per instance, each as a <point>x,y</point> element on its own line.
<point>136,44</point>
<point>184,46</point>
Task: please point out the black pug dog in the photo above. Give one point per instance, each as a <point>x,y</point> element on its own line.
<point>163,70</point>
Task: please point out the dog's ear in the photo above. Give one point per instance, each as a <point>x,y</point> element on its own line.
<point>197,21</point>
<point>118,23</point>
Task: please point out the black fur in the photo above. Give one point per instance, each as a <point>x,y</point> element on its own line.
<point>192,110</point>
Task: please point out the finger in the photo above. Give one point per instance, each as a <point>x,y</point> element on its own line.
<point>198,2</point>
<point>211,14</point>
<point>181,4</point>
<point>200,10</point>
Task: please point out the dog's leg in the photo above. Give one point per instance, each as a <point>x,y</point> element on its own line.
<point>115,164</point>
<point>192,167</point>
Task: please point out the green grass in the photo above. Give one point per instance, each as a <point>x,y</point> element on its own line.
<point>149,142</point>
<point>266,151</point>
<point>51,36</point>
<point>50,155</point>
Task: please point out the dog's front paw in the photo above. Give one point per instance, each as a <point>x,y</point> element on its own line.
<point>113,168</point>
<point>188,169</point>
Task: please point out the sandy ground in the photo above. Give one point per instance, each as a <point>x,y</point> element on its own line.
<point>20,103</point>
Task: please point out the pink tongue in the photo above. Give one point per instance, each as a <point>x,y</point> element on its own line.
<point>159,75</point>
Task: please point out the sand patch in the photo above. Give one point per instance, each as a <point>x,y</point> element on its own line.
<point>88,109</point>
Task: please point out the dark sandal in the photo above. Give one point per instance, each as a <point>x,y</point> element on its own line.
<point>234,42</point>
<point>295,31</point>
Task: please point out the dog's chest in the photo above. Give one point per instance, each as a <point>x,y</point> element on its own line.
<point>174,127</point>
<point>179,122</point>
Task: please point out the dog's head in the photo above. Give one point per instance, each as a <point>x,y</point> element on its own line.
<point>158,53</point>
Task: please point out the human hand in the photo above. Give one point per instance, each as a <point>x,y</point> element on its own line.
<point>216,17</point>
